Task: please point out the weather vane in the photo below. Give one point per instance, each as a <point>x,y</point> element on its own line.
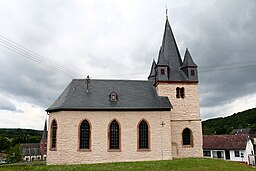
<point>166,12</point>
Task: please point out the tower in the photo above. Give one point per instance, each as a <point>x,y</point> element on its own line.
<point>43,142</point>
<point>178,80</point>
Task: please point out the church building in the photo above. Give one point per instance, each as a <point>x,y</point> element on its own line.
<point>96,121</point>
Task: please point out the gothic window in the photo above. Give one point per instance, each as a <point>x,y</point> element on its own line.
<point>143,135</point>
<point>177,92</point>
<point>186,137</point>
<point>180,92</point>
<point>85,135</point>
<point>114,136</point>
<point>53,134</point>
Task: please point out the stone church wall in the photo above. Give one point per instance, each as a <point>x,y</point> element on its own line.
<point>185,114</point>
<point>67,151</point>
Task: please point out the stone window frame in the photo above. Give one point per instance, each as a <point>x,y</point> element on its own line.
<point>119,136</point>
<point>79,136</point>
<point>51,136</point>
<point>185,144</point>
<point>138,137</point>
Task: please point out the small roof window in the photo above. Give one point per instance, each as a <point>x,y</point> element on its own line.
<point>113,97</point>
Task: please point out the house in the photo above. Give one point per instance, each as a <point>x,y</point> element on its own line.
<point>3,158</point>
<point>96,121</point>
<point>35,151</point>
<point>30,151</point>
<point>229,147</point>
<point>247,131</point>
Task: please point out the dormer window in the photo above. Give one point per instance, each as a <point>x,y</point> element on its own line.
<point>162,72</point>
<point>113,97</point>
<point>192,72</point>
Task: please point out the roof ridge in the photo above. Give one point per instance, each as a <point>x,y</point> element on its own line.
<point>110,80</point>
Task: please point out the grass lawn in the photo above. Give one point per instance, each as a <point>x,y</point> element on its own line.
<point>191,164</point>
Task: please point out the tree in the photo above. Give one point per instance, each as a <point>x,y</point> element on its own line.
<point>14,155</point>
<point>5,143</point>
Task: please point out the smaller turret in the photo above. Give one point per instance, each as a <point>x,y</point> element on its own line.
<point>152,75</point>
<point>162,68</point>
<point>189,67</point>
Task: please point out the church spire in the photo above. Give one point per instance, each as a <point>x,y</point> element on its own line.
<point>44,135</point>
<point>170,48</point>
<point>169,66</point>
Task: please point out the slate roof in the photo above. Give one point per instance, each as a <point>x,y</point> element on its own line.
<point>225,142</point>
<point>170,49</point>
<point>30,149</point>
<point>242,131</point>
<point>132,95</point>
<point>169,56</point>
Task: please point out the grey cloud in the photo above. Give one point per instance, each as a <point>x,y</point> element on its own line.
<point>216,33</point>
<point>223,34</point>
<point>5,104</point>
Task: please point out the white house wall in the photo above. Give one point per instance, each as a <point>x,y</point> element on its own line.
<point>238,159</point>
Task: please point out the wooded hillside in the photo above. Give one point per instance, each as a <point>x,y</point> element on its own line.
<point>11,137</point>
<point>224,125</point>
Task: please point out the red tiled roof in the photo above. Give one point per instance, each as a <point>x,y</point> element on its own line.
<point>225,142</point>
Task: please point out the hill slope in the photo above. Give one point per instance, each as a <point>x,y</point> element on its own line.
<point>245,119</point>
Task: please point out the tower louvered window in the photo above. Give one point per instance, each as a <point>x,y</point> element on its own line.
<point>85,134</point>
<point>53,134</point>
<point>180,92</point>
<point>114,135</point>
<point>143,135</point>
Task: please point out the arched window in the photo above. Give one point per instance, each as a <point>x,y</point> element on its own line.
<point>114,136</point>
<point>143,135</point>
<point>54,134</point>
<point>177,92</point>
<point>182,92</point>
<point>186,137</point>
<point>85,135</point>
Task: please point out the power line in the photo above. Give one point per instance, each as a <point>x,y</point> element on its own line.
<point>232,68</point>
<point>25,52</point>
<point>230,64</point>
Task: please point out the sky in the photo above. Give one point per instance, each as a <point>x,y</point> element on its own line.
<point>46,44</point>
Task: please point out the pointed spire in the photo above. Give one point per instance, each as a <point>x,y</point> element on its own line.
<point>170,48</point>
<point>161,59</point>
<point>152,71</point>
<point>188,61</point>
